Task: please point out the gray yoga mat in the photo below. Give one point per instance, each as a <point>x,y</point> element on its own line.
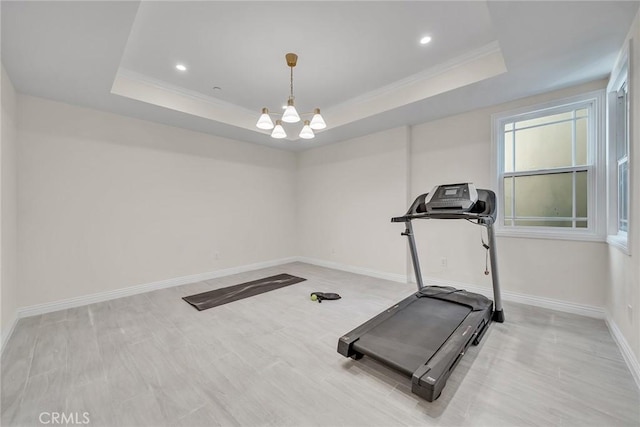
<point>222,296</point>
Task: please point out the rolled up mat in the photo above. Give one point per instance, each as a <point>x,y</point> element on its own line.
<point>222,296</point>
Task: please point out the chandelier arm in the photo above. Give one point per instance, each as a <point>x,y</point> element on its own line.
<point>310,113</point>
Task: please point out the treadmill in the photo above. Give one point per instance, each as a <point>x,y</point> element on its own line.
<point>425,335</point>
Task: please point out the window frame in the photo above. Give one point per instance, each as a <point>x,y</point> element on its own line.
<point>620,77</point>
<point>595,167</point>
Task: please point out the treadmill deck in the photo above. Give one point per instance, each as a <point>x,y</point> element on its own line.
<point>412,335</point>
<point>424,336</point>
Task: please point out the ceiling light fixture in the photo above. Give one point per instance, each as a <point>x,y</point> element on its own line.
<point>290,114</point>
<point>425,40</point>
<point>278,130</point>
<point>181,67</point>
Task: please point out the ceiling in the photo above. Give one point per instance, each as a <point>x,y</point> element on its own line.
<point>360,62</point>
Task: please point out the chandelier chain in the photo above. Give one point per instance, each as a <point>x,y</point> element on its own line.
<point>291,84</point>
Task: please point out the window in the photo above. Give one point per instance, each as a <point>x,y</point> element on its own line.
<point>618,106</point>
<point>622,157</point>
<point>546,161</point>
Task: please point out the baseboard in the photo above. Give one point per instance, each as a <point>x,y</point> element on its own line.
<point>49,307</point>
<point>352,269</point>
<point>628,355</point>
<point>552,304</point>
<point>6,334</point>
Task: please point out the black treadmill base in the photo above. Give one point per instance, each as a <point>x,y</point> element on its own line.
<point>429,380</point>
<point>423,336</point>
<point>498,316</point>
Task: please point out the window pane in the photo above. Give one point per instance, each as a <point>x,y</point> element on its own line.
<point>508,199</point>
<point>508,151</point>
<point>546,119</point>
<point>547,166</point>
<point>544,147</point>
<point>581,142</point>
<point>544,195</point>
<point>621,124</point>
<point>623,196</point>
<point>581,194</point>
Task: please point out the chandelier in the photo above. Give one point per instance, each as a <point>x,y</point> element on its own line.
<point>290,114</point>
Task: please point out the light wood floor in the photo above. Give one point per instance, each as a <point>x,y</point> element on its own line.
<point>152,359</point>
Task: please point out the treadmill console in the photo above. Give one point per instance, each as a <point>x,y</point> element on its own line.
<point>451,198</point>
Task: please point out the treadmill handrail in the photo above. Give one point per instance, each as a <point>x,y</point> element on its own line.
<point>487,218</point>
<point>449,215</point>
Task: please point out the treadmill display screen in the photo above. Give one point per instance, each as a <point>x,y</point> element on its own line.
<point>452,198</point>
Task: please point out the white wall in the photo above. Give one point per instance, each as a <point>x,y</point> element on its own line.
<point>624,279</point>
<point>107,202</point>
<point>458,149</point>
<point>8,208</point>
<point>347,194</point>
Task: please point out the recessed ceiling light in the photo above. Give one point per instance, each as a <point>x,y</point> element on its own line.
<point>425,40</point>
<point>181,67</point>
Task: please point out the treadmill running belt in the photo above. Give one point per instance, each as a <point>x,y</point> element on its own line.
<point>413,335</point>
<point>222,296</point>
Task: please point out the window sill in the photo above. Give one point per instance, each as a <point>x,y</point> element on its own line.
<point>550,234</point>
<point>620,242</point>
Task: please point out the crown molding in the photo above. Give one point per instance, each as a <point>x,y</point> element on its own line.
<point>161,84</point>
<point>459,61</point>
<point>471,67</point>
<point>140,87</point>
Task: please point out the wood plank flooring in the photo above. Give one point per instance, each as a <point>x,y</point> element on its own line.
<point>271,360</point>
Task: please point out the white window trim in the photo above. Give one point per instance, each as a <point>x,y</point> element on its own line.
<point>621,73</point>
<point>596,196</point>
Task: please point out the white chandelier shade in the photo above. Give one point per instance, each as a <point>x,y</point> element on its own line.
<point>317,122</point>
<point>278,131</point>
<point>306,132</point>
<point>290,114</point>
<point>265,122</point>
